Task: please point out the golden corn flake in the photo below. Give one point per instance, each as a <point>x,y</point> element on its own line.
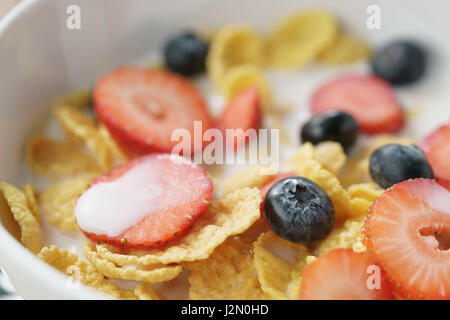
<point>241,77</point>
<point>58,201</point>
<point>145,291</point>
<point>69,263</point>
<point>249,178</point>
<point>296,275</point>
<point>231,46</point>
<point>345,236</point>
<point>310,259</point>
<point>279,277</point>
<point>81,271</point>
<point>117,154</point>
<point>157,273</point>
<point>305,165</point>
<point>345,49</point>
<point>368,191</point>
<point>32,202</point>
<point>331,156</point>
<point>299,38</point>
<point>233,215</point>
<point>31,234</point>
<point>78,100</point>
<point>79,127</point>
<point>228,273</point>
<point>60,259</point>
<point>359,207</point>
<point>363,195</point>
<point>260,226</point>
<point>305,153</point>
<point>47,156</point>
<point>86,274</point>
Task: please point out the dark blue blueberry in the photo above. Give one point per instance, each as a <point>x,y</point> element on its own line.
<point>332,125</point>
<point>394,163</point>
<point>298,210</point>
<point>400,63</point>
<point>185,54</point>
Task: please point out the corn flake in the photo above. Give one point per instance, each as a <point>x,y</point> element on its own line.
<point>249,178</point>
<point>359,206</point>
<point>87,274</point>
<point>47,156</point>
<point>32,202</point>
<point>279,278</point>
<point>299,38</point>
<point>234,214</point>
<point>305,153</point>
<point>145,291</point>
<point>58,201</point>
<point>310,259</point>
<point>117,154</point>
<point>79,127</point>
<point>345,49</point>
<point>296,275</point>
<point>228,273</point>
<point>305,165</point>
<point>363,195</point>
<point>331,156</point>
<point>232,46</point>
<point>368,191</point>
<point>241,77</point>
<point>80,271</point>
<point>158,273</point>
<point>58,258</point>
<point>31,234</point>
<point>348,235</point>
<point>77,100</point>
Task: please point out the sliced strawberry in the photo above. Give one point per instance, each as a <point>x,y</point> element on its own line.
<point>343,274</point>
<point>178,193</point>
<point>142,107</point>
<point>370,100</point>
<point>265,188</point>
<point>408,231</point>
<point>437,149</point>
<point>241,114</point>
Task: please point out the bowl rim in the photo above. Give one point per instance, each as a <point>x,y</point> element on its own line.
<point>13,253</point>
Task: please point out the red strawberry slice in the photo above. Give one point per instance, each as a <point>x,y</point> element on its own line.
<point>241,114</point>
<point>142,107</point>
<point>437,148</point>
<point>370,100</point>
<point>265,188</point>
<point>343,274</point>
<point>408,231</point>
<point>183,193</point>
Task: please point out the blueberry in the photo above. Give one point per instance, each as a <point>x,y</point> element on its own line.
<point>298,210</point>
<point>400,63</point>
<point>185,54</point>
<point>394,163</point>
<point>332,125</point>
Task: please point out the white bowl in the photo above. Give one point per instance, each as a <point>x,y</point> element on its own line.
<point>40,59</point>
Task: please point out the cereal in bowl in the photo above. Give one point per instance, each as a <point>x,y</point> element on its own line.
<point>153,222</point>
